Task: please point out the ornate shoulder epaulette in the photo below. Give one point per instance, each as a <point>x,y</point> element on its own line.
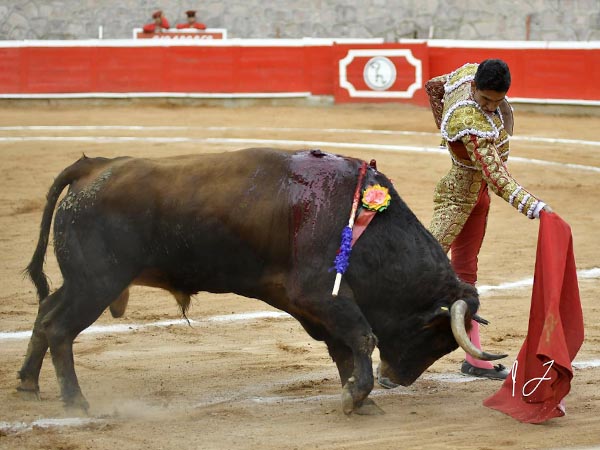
<point>466,117</point>
<point>461,75</point>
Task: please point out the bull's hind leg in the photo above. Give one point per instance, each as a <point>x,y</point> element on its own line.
<point>79,307</point>
<point>36,350</point>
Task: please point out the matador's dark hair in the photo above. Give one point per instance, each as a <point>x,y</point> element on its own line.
<point>492,75</point>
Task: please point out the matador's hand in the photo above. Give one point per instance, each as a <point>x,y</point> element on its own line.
<point>547,209</point>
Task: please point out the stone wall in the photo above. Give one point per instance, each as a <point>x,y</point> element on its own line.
<point>560,20</point>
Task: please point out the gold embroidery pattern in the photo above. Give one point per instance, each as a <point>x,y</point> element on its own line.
<point>494,171</point>
<point>453,200</point>
<point>463,116</point>
<point>460,76</point>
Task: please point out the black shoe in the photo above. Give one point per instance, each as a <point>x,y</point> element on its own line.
<point>384,381</point>
<point>498,372</point>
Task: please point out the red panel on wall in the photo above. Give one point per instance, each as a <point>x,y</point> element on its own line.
<point>50,69</point>
<point>271,69</point>
<point>11,70</point>
<point>320,72</point>
<point>536,73</point>
<point>562,74</point>
<point>125,69</point>
<point>201,69</point>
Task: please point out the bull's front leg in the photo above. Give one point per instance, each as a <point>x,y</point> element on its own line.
<point>357,388</point>
<point>351,343</point>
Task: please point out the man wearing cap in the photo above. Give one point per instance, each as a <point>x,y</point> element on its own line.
<point>191,22</point>
<point>160,23</point>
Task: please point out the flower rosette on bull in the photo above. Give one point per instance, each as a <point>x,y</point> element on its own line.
<point>376,198</point>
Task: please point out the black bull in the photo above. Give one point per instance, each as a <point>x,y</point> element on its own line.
<point>260,223</point>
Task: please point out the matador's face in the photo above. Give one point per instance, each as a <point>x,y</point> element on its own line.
<point>489,100</point>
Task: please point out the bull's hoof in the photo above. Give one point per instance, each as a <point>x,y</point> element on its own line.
<point>77,404</point>
<point>366,407</point>
<point>28,393</point>
<point>28,389</point>
<point>347,400</point>
<point>369,408</point>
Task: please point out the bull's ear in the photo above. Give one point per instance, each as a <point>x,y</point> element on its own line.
<point>441,313</point>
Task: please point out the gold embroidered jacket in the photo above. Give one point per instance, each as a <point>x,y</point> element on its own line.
<point>478,143</point>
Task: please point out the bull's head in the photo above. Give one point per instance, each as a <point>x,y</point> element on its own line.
<point>438,334</point>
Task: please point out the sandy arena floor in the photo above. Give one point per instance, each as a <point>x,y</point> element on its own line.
<point>260,382</point>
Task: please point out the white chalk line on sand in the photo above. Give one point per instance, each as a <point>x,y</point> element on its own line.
<point>240,397</point>
<point>129,327</point>
<point>280,142</point>
<point>386,148</point>
<point>254,397</point>
<point>438,377</point>
<point>276,130</point>
<point>583,274</point>
<point>20,427</point>
<point>259,315</point>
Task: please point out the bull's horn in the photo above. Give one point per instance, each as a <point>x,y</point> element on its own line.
<point>457,321</point>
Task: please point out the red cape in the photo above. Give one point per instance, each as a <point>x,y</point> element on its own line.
<point>541,377</point>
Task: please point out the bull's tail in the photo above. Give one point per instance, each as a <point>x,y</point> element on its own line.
<point>35,269</point>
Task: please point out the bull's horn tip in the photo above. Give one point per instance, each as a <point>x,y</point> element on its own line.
<point>492,357</point>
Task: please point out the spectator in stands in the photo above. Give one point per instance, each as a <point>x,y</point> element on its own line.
<point>160,23</point>
<point>191,22</point>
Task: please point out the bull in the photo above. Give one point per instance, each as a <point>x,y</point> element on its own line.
<point>261,223</point>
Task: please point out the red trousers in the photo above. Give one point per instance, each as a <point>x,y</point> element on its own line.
<point>465,248</point>
<point>463,256</point>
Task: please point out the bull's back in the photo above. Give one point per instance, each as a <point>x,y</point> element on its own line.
<point>192,222</point>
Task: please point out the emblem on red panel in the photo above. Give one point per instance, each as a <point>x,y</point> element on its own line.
<point>381,73</point>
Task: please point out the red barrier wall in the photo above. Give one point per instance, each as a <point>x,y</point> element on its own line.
<point>153,69</point>
<point>536,72</point>
<point>265,67</point>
